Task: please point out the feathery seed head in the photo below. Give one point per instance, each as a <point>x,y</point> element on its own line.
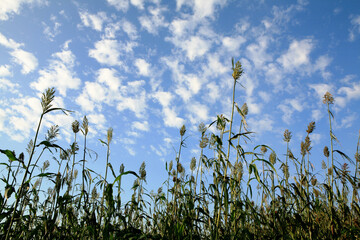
<point>311,127</point>
<point>193,164</point>
<point>75,126</point>
<point>142,171</point>
<point>47,98</point>
<point>52,133</point>
<point>313,181</point>
<point>323,164</point>
<point>122,168</point>
<point>182,130</point>
<point>272,158</point>
<point>237,70</point>
<point>170,165</point>
<point>109,135</point>
<point>328,98</point>
<point>244,109</point>
<point>286,171</point>
<point>287,135</point>
<point>326,151</point>
<point>202,128</point>
<point>263,149</point>
<point>46,164</point>
<point>75,173</point>
<point>180,168</point>
<point>307,144</point>
<point>221,122</point>
<point>85,126</point>
<point>204,142</point>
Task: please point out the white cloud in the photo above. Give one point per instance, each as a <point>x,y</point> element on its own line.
<point>195,47</point>
<point>138,3</point>
<point>143,67</point>
<point>198,112</point>
<point>214,92</point>
<point>316,114</point>
<point>321,64</point>
<point>164,98</point>
<point>11,7</point>
<point>59,73</point>
<point>261,124</point>
<point>153,22</point>
<point>256,52</point>
<point>5,71</point>
<point>142,126</point>
<point>94,21</point>
<point>351,93</point>
<point>347,121</point>
<point>232,44</point>
<point>53,31</point>
<point>107,51</point>
<point>171,119</point>
<point>120,5</point>
<point>27,60</point>
<point>130,29</point>
<point>297,55</point>
<point>201,8</point>
<point>321,89</point>
<point>109,77</point>
<point>289,107</point>
<point>9,43</point>
<point>355,27</point>
<point>8,86</point>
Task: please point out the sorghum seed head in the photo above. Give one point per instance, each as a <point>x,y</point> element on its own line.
<point>272,158</point>
<point>75,126</point>
<point>311,127</point>
<point>323,164</point>
<point>202,128</point>
<point>204,142</point>
<point>263,149</point>
<point>182,130</point>
<point>245,109</point>
<point>287,135</point>
<point>326,151</point>
<point>313,181</point>
<point>109,135</point>
<point>328,98</point>
<point>193,164</point>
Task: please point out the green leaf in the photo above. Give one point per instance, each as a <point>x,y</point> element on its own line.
<point>10,154</point>
<point>125,173</point>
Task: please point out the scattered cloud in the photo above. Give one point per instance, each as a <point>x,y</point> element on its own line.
<point>120,5</point>
<point>52,31</point>
<point>355,27</point>
<point>12,7</point>
<point>142,126</point>
<point>59,74</point>
<point>94,21</point>
<point>297,55</point>
<point>5,71</point>
<point>143,67</point>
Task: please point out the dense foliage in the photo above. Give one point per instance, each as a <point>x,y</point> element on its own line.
<point>213,201</point>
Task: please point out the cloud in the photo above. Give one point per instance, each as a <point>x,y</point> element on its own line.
<point>164,98</point>
<point>53,31</point>
<point>138,3</point>
<point>109,51</point>
<point>9,43</point>
<point>195,47</point>
<point>355,27</point>
<point>155,20</point>
<point>321,89</point>
<point>5,71</point>
<point>263,123</point>
<point>59,73</point>
<point>120,5</point>
<point>171,119</point>
<point>8,86</point>
<point>94,21</point>
<point>297,55</point>
<point>201,8</point>
<point>351,93</point>
<point>321,64</point>
<point>142,126</point>
<point>11,7</point>
<point>197,112</point>
<point>256,52</point>
<point>232,44</point>
<point>27,60</point>
<point>143,67</point>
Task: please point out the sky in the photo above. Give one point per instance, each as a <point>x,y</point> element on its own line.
<point>146,67</point>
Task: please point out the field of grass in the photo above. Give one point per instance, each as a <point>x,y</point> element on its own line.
<point>186,206</point>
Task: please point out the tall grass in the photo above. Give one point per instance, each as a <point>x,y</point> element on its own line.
<point>213,201</point>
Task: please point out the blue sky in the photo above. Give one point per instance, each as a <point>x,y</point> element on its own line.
<point>145,67</point>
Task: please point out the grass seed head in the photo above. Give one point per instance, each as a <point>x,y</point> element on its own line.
<point>326,151</point>
<point>85,126</point>
<point>75,126</point>
<point>47,98</point>
<point>193,164</point>
<point>182,130</point>
<point>287,135</point>
<point>328,98</point>
<point>245,109</point>
<point>109,135</point>
<point>311,127</point>
<point>263,149</point>
<point>272,158</point>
